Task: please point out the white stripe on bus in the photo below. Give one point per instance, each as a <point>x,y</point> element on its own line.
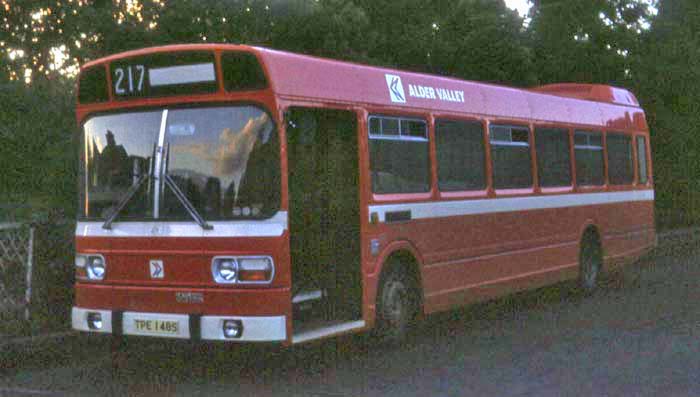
<point>440,209</point>
<point>272,227</point>
<point>276,225</point>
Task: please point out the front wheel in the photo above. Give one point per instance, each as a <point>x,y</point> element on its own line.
<point>397,306</point>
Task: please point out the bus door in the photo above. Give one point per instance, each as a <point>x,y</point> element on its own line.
<point>324,214</point>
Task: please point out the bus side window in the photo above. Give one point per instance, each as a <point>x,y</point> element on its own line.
<point>553,163</point>
<point>620,167</point>
<point>642,160</point>
<point>399,155</point>
<point>510,156</point>
<point>588,150</point>
<point>460,155</point>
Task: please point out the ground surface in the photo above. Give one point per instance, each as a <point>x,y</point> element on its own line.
<point>637,335</point>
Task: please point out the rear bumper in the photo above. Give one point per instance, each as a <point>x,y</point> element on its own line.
<point>189,326</point>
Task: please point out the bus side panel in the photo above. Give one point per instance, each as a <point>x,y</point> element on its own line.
<point>628,231</point>
<point>475,257</point>
<point>485,256</point>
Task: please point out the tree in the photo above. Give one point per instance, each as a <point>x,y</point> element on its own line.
<point>51,38</point>
<point>588,41</point>
<point>667,73</point>
<point>470,39</point>
<point>483,40</point>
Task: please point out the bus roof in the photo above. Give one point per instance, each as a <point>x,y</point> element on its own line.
<point>302,77</point>
<point>307,77</point>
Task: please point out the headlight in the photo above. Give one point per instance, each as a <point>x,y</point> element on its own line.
<point>94,321</point>
<point>243,270</point>
<point>224,270</point>
<point>232,328</point>
<point>96,267</point>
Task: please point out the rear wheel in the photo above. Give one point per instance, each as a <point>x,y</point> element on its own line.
<point>397,305</point>
<point>591,262</point>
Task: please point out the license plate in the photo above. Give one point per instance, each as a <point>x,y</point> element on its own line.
<point>157,326</point>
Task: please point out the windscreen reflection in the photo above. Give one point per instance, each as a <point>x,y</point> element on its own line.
<point>224,159</point>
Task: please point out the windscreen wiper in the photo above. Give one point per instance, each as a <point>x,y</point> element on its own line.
<point>186,203</point>
<point>125,199</point>
<point>180,195</point>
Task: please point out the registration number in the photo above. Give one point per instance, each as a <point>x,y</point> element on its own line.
<point>157,326</point>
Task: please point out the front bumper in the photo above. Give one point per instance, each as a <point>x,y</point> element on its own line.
<point>188,326</point>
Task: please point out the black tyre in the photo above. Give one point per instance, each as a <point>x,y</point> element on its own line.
<point>590,262</point>
<point>397,305</point>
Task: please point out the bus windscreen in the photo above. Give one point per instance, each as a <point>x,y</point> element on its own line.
<point>225,160</point>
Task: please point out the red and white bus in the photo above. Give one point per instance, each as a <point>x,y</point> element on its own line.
<point>236,193</point>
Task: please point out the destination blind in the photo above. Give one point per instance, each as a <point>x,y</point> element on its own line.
<point>164,74</point>
<point>169,74</point>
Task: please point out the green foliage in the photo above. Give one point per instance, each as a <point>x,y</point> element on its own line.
<point>483,40</point>
<point>336,29</point>
<point>667,75</point>
<point>472,39</point>
<point>587,40</point>
<point>38,154</point>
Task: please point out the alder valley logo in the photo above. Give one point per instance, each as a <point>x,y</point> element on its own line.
<point>395,88</point>
<point>442,94</point>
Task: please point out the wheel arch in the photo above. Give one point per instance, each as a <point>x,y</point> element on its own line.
<point>589,267</point>
<point>589,227</point>
<point>400,254</point>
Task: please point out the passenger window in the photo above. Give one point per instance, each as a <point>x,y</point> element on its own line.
<point>460,155</point>
<point>510,155</point>
<point>642,160</point>
<point>588,150</point>
<point>399,155</point>
<point>553,160</point>
<point>620,167</point>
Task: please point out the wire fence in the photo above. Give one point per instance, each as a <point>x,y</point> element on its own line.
<point>16,267</point>
<point>36,271</point>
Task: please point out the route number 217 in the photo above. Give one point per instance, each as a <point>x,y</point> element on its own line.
<point>129,80</point>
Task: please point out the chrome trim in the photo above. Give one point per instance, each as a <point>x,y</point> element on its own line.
<point>255,329</point>
<point>79,320</point>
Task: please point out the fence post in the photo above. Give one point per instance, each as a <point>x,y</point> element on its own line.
<point>30,259</point>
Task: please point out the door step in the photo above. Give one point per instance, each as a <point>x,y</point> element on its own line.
<point>306,296</point>
<point>310,333</point>
<point>308,304</point>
